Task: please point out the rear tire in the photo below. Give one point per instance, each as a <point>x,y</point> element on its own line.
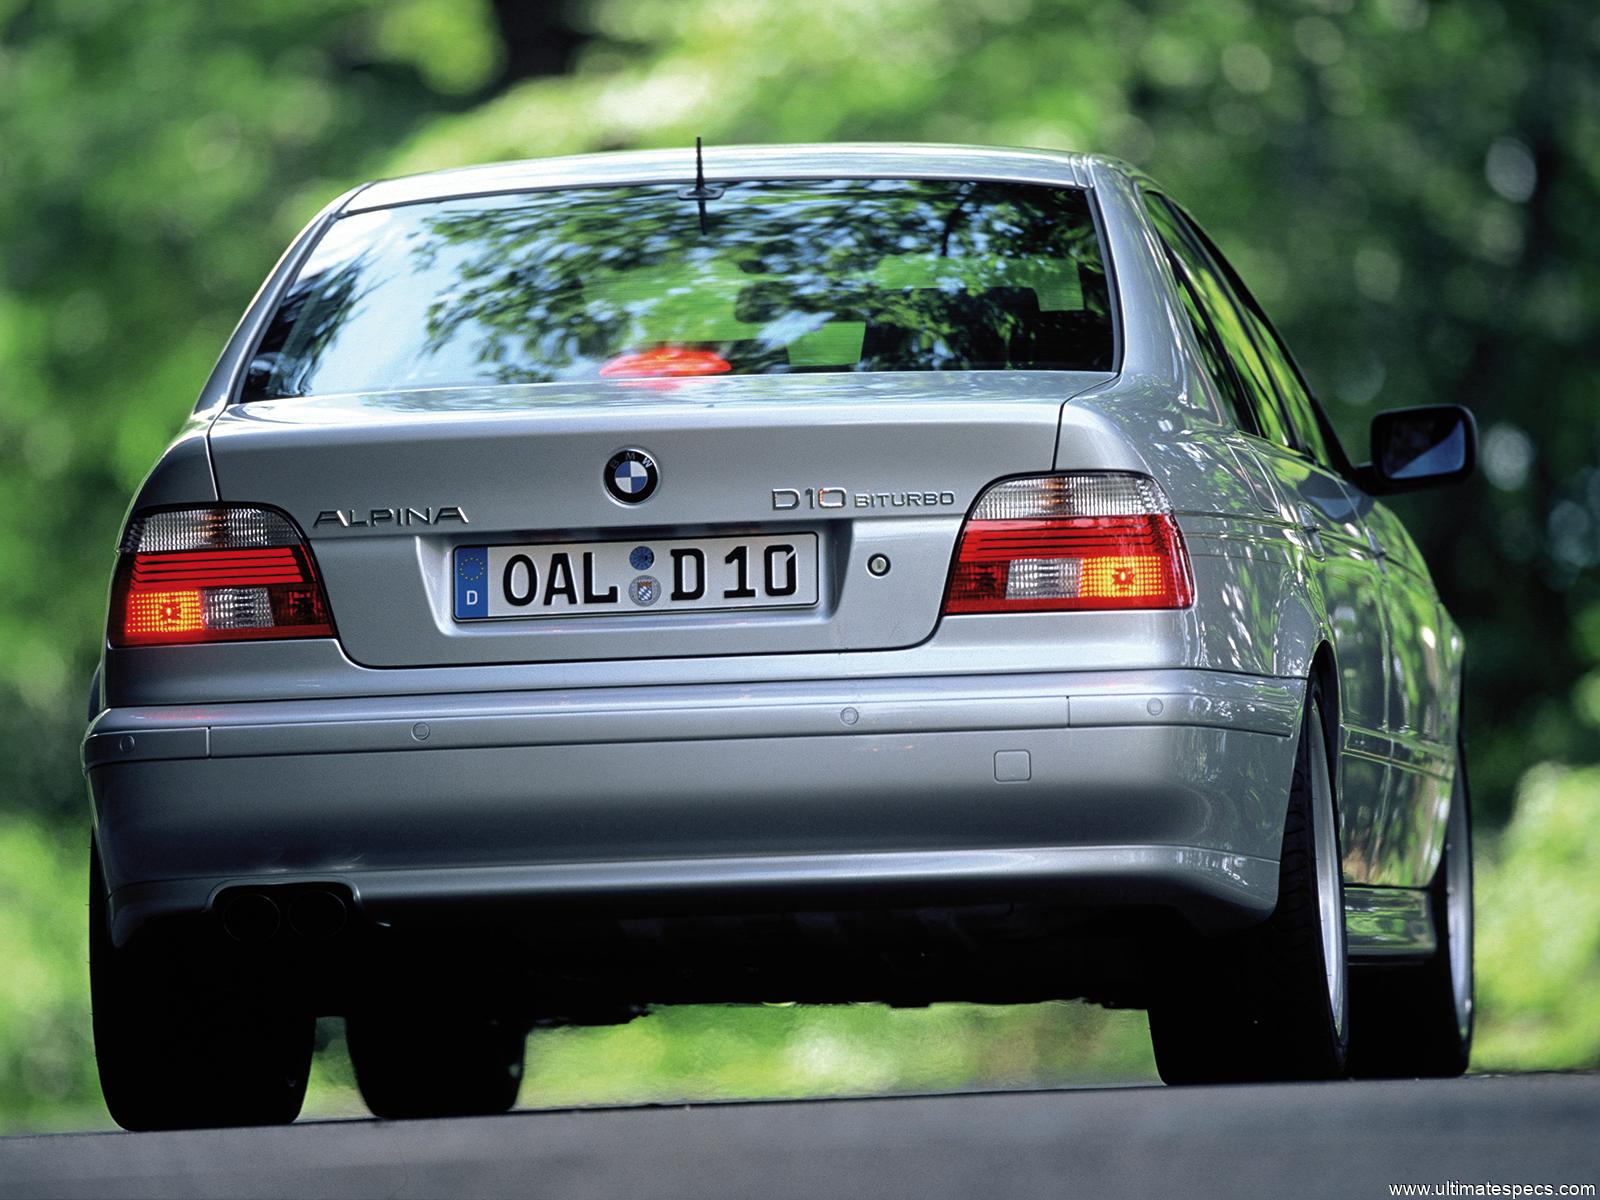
<point>181,1046</point>
<point>1414,1020</point>
<point>433,1064</point>
<point>1271,1003</point>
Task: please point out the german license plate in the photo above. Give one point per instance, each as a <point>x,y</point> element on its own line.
<point>566,579</point>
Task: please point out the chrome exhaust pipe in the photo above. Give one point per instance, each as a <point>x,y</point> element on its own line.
<point>252,917</point>
<point>318,915</point>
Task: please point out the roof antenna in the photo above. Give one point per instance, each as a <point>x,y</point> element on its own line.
<point>700,193</point>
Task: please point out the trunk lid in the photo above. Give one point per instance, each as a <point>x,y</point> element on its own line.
<point>388,485</point>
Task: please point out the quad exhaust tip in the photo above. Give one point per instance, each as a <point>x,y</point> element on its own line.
<point>252,917</point>
<point>318,915</point>
<point>313,914</point>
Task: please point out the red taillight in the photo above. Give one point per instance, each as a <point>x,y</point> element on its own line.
<point>1070,542</point>
<point>665,362</point>
<point>223,573</point>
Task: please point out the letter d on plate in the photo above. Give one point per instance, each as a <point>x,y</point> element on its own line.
<point>471,576</point>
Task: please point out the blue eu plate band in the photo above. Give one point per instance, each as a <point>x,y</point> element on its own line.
<point>472,582</point>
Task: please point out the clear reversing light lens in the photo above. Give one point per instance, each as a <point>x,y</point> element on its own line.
<point>215,574</point>
<point>1071,542</point>
<point>232,527</point>
<point>1083,495</point>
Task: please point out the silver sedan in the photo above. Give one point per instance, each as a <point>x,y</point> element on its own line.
<point>835,573</point>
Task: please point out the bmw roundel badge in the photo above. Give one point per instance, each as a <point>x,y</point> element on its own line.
<point>631,476</point>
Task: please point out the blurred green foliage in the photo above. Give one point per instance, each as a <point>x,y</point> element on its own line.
<point>1539,927</point>
<point>711,1053</point>
<point>47,1077</point>
<point>1409,187</point>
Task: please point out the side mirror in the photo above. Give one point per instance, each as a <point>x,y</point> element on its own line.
<point>1421,447</point>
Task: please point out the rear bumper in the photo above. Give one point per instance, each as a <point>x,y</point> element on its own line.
<point>1106,790</point>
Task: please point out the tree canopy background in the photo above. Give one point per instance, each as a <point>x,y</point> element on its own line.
<point>1410,188</point>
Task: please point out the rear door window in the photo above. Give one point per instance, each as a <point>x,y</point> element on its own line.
<point>1233,334</point>
<point>1180,257</point>
<point>766,277</point>
<point>1310,426</point>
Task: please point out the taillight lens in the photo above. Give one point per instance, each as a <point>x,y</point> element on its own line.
<point>1070,542</point>
<point>223,573</point>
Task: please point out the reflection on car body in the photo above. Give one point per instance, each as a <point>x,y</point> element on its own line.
<point>908,574</point>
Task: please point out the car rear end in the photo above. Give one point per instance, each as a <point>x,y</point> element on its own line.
<point>631,576</point>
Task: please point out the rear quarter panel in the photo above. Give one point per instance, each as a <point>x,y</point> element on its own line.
<point>1257,604</point>
<point>1261,595</point>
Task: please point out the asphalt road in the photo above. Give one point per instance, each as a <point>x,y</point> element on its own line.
<point>1337,1140</point>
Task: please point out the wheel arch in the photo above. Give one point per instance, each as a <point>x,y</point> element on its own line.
<point>1325,673</point>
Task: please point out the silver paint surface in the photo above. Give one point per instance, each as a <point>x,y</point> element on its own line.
<point>299,759</point>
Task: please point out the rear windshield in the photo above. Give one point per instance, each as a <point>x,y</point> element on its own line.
<point>763,278</point>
